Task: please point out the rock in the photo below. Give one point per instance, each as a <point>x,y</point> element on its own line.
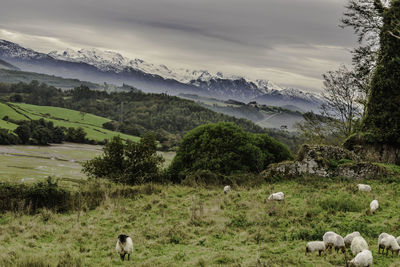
<point>326,161</point>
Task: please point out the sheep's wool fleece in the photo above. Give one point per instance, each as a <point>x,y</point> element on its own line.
<point>363,259</point>
<point>364,187</point>
<point>349,238</point>
<point>358,244</point>
<point>315,246</point>
<point>374,205</point>
<point>329,238</point>
<point>277,196</point>
<point>127,247</point>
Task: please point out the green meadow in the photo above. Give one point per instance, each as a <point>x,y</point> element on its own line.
<point>92,124</point>
<point>177,225</point>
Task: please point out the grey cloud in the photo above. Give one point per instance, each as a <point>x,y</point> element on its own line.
<point>234,36</point>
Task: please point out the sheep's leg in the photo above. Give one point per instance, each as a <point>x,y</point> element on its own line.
<point>387,251</point>
<point>122,256</point>
<point>379,249</point>
<point>129,257</point>
<point>319,252</point>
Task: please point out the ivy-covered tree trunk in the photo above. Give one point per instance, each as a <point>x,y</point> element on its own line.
<point>379,138</point>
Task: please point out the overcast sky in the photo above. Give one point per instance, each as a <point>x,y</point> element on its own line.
<point>290,42</point>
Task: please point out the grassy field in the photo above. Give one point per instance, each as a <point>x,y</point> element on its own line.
<point>61,161</point>
<point>61,117</point>
<point>194,226</point>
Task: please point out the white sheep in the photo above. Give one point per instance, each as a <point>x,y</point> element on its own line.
<point>348,238</point>
<point>388,242</point>
<point>227,189</point>
<point>329,239</point>
<point>364,187</point>
<point>124,246</point>
<point>362,259</point>
<point>374,205</point>
<point>277,196</point>
<point>358,244</point>
<point>339,244</point>
<point>315,246</point>
<point>398,240</point>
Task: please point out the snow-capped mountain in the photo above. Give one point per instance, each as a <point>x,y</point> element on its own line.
<point>100,66</point>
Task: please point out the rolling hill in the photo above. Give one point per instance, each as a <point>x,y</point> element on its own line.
<point>92,124</point>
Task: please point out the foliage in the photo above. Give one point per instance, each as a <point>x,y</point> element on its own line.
<point>226,149</point>
<point>319,129</point>
<point>8,138</point>
<point>382,119</point>
<point>131,163</point>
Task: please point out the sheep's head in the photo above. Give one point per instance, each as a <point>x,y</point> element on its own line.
<point>122,238</point>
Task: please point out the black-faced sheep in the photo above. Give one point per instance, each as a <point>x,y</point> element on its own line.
<point>124,246</point>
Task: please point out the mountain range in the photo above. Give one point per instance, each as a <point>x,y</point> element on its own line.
<point>100,66</point>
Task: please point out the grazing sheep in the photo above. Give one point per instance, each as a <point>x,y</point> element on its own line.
<point>277,196</point>
<point>374,205</point>
<point>398,240</point>
<point>364,187</point>
<point>362,259</point>
<point>348,238</point>
<point>388,242</point>
<point>329,239</point>
<point>227,189</point>
<point>315,246</point>
<point>358,244</point>
<point>124,246</point>
<point>339,244</point>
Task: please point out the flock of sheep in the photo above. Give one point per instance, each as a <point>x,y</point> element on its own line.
<point>358,245</point>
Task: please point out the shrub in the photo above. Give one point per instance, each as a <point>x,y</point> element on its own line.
<point>225,149</point>
<point>131,163</point>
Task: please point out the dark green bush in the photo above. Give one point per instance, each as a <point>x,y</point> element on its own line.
<point>226,149</point>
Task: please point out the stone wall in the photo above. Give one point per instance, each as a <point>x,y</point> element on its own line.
<point>326,161</point>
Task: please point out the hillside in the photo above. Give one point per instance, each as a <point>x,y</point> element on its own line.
<point>7,66</point>
<point>60,117</point>
<point>15,76</point>
<point>262,115</point>
<point>133,112</point>
<point>175,225</point>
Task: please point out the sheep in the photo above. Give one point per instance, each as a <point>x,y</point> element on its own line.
<point>331,239</point>
<point>358,244</point>
<point>364,187</point>
<point>315,246</point>
<point>374,205</point>
<point>388,242</point>
<point>124,246</point>
<point>348,238</point>
<point>227,189</point>
<point>398,240</point>
<point>362,259</point>
<point>277,196</point>
<point>339,244</point>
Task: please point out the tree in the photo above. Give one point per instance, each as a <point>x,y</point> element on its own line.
<point>342,94</point>
<point>131,163</point>
<point>382,119</point>
<point>226,149</point>
<point>24,133</point>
